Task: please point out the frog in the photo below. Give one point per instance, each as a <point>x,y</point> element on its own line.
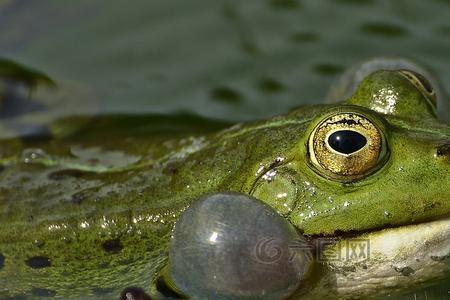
<point>99,213</point>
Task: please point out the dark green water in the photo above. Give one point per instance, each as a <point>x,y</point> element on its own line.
<point>233,60</point>
<point>227,60</point>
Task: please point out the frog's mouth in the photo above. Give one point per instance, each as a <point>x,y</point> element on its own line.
<point>385,261</point>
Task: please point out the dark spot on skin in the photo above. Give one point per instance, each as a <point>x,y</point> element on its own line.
<point>304,37</point>
<point>102,291</point>
<point>166,290</point>
<point>2,261</point>
<point>443,150</point>
<point>134,293</point>
<point>269,85</point>
<point>226,95</point>
<point>38,262</point>
<point>43,292</point>
<point>63,174</point>
<point>405,271</point>
<point>112,245</point>
<point>384,30</point>
<point>285,4</point>
<point>78,197</point>
<point>328,69</point>
<point>171,170</point>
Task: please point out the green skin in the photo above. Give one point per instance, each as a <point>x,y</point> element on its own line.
<point>82,227</point>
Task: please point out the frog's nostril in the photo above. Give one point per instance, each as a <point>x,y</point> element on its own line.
<point>443,150</point>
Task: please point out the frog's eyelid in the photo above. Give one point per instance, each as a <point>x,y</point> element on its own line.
<point>423,84</point>
<point>419,78</point>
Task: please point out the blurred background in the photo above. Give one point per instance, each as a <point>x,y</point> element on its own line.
<point>222,59</point>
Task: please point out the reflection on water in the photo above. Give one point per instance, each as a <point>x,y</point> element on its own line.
<point>209,57</point>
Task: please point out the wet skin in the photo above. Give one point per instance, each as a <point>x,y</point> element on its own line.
<point>90,214</point>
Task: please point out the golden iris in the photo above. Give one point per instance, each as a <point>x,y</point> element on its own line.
<point>345,146</point>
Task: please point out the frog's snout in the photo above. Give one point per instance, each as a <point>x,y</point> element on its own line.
<point>443,150</point>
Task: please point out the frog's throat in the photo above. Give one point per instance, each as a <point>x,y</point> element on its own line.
<point>386,261</point>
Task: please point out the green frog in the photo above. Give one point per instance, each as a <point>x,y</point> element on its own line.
<point>363,183</point>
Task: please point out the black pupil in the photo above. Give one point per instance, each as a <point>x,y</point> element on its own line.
<point>346,141</point>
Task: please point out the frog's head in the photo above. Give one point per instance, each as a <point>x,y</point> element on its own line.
<point>380,160</point>
<point>375,168</point>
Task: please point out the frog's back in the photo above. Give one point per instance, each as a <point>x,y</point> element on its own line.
<point>78,219</point>
<point>83,217</point>
<point>73,233</point>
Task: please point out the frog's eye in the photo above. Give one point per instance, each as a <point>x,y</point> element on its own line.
<point>346,146</point>
<point>422,84</point>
